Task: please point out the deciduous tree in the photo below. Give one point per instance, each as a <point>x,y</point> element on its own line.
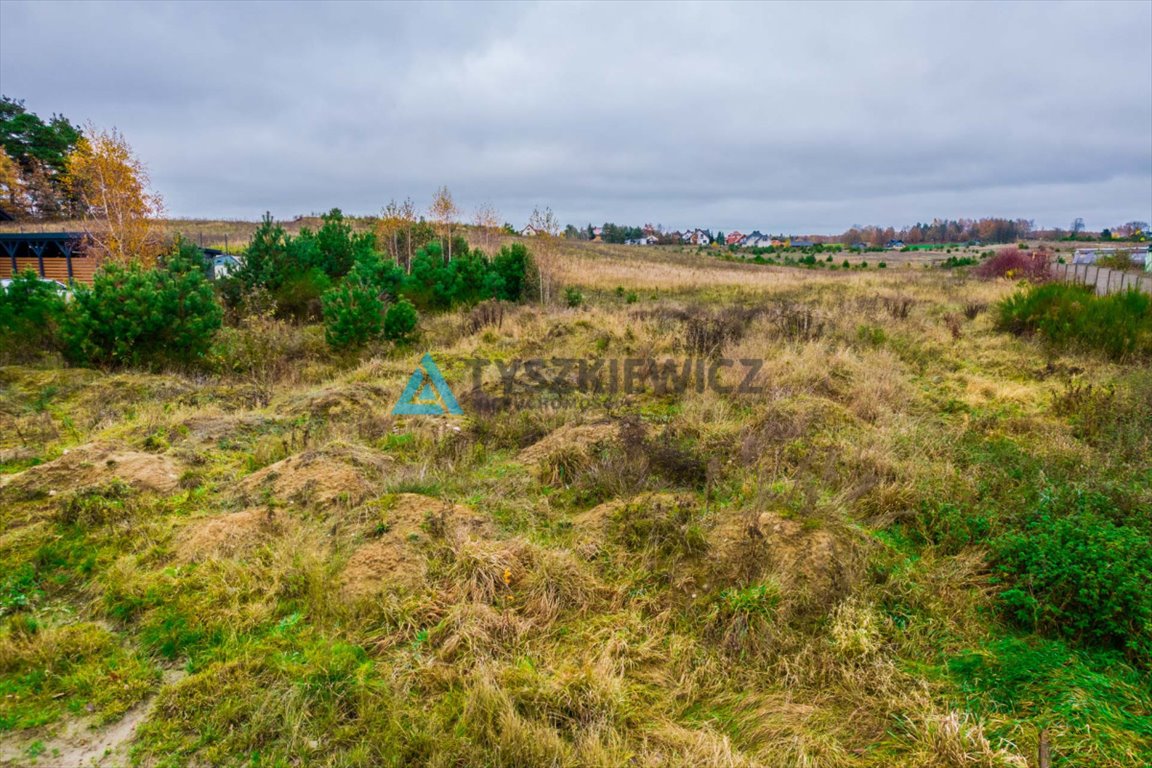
<point>544,222</point>
<point>13,198</point>
<point>444,212</point>
<point>389,228</point>
<point>487,221</point>
<point>121,210</point>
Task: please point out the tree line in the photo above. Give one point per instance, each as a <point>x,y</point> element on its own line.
<point>167,312</point>
<point>363,286</point>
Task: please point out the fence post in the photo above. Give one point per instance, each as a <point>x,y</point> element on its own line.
<point>1045,750</point>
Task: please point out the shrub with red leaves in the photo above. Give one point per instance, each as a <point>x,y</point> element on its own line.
<point>1015,263</point>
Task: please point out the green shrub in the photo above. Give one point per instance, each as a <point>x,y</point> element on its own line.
<point>573,297</point>
<point>137,316</point>
<point>1065,314</point>
<point>468,278</point>
<point>300,297</point>
<point>1082,575</point>
<point>353,314</point>
<point>30,310</point>
<point>275,260</point>
<point>400,321</point>
<point>511,264</point>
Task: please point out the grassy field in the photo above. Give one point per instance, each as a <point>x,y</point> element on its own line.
<point>263,567</point>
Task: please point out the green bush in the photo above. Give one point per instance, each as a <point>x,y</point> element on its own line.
<point>30,310</point>
<point>573,297</point>
<point>298,269</point>
<point>353,314</point>
<point>300,297</point>
<point>400,321</point>
<point>469,278</point>
<point>1065,314</point>
<point>1081,575</point>
<point>511,264</point>
<point>137,316</point>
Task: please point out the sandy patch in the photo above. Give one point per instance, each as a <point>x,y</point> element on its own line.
<point>80,744</point>
<point>231,535</point>
<point>337,475</point>
<point>395,557</point>
<point>96,463</point>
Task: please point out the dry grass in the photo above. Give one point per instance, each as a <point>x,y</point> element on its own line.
<point>548,580</point>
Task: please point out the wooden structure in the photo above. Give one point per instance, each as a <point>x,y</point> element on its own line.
<point>52,255</point>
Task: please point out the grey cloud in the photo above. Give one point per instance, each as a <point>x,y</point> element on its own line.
<point>786,117</point>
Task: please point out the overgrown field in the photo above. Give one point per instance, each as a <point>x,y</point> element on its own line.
<point>919,542</point>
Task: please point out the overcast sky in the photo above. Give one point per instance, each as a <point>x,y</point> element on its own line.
<point>795,118</point>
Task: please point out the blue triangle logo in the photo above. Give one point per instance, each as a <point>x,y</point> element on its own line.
<point>427,394</point>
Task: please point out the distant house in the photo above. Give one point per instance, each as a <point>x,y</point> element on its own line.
<point>756,240</point>
<point>219,263</point>
<point>597,234</point>
<point>643,240</point>
<point>699,237</point>
<point>894,245</point>
<point>529,231</point>
<point>734,238</point>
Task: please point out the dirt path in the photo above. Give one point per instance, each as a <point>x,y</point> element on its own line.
<point>77,744</point>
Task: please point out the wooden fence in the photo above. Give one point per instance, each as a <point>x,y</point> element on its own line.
<point>1105,280</point>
